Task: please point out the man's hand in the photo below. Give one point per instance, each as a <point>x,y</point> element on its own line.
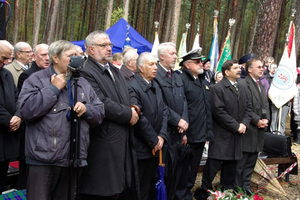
<point>242,128</point>
<point>182,126</point>
<point>159,144</point>
<point>59,81</point>
<point>184,140</point>
<point>80,109</point>
<point>262,123</point>
<point>14,123</point>
<point>134,117</point>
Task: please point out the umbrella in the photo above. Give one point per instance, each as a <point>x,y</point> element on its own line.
<point>178,163</point>
<point>264,178</point>
<point>161,193</point>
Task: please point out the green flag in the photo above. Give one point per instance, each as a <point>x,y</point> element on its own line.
<point>225,53</point>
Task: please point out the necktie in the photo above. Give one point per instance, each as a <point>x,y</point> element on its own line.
<point>70,100</point>
<point>257,83</point>
<point>108,69</point>
<point>169,74</point>
<point>236,86</point>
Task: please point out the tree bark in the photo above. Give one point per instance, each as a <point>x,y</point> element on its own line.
<point>193,29</point>
<point>234,15</point>
<point>37,19</point>
<point>164,37</point>
<point>92,17</point>
<point>62,20</point>
<point>140,16</point>
<point>157,17</point>
<point>264,37</point>
<point>52,17</point>
<point>239,27</point>
<point>253,27</point>
<point>125,9</point>
<point>73,13</point>
<point>16,21</point>
<point>175,20</point>
<point>108,14</point>
<point>297,31</point>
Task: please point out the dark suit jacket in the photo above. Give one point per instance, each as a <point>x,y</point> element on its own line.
<point>26,74</point>
<point>9,141</point>
<point>228,109</point>
<point>253,140</point>
<point>128,75</point>
<point>174,97</point>
<point>153,117</point>
<point>108,171</point>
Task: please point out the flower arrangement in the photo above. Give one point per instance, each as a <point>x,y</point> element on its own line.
<point>232,195</point>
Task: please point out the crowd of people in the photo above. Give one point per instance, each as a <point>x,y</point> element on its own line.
<point>130,107</point>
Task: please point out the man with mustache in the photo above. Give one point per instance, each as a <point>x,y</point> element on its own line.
<point>200,121</point>
<point>151,129</point>
<point>231,113</point>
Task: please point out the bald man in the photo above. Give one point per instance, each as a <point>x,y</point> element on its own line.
<point>9,115</point>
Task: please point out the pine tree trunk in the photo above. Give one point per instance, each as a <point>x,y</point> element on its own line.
<point>297,30</point>
<point>73,13</point>
<point>125,9</point>
<point>234,15</point>
<point>193,29</point>
<point>92,17</point>
<point>251,34</point>
<point>175,20</point>
<point>52,17</point>
<point>36,19</point>
<point>264,37</point>
<point>62,20</point>
<point>16,21</point>
<point>239,27</point>
<point>108,14</point>
<point>166,23</point>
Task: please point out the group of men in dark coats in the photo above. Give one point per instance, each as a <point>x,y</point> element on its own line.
<point>177,110</point>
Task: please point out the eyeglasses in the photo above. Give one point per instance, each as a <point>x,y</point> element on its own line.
<point>196,61</point>
<point>105,45</point>
<point>26,51</point>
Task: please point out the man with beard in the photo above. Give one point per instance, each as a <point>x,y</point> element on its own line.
<point>200,121</point>
<point>231,113</point>
<point>108,172</point>
<point>253,140</point>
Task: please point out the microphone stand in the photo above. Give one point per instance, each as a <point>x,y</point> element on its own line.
<point>74,142</point>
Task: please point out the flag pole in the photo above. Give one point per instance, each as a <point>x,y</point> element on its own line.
<point>225,50</point>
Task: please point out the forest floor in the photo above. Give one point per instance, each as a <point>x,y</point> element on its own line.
<point>291,188</point>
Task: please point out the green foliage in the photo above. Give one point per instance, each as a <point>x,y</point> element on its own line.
<point>116,15</point>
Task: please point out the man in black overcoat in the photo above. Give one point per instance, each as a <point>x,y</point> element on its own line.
<point>10,118</point>
<point>108,172</point>
<point>231,113</point>
<point>200,119</point>
<point>41,61</point>
<point>253,140</point>
<point>151,129</point>
<point>174,97</point>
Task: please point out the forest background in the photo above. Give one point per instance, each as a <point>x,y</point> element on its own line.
<point>261,25</point>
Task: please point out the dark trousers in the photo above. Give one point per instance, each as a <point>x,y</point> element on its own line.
<point>146,172</point>
<point>244,169</point>
<point>49,182</point>
<point>95,197</point>
<point>3,174</point>
<point>211,168</point>
<point>187,183</point>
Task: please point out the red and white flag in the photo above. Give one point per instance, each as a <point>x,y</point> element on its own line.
<point>283,87</point>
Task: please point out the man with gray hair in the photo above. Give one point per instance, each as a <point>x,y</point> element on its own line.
<point>173,92</point>
<point>128,68</point>
<point>151,129</point>
<point>108,172</point>
<point>41,61</point>
<point>23,57</point>
<point>10,117</point>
